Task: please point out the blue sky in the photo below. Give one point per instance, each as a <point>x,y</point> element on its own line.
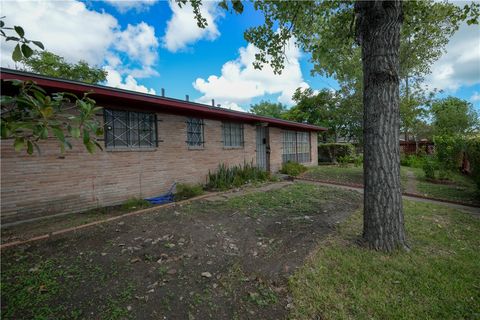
<point>147,45</point>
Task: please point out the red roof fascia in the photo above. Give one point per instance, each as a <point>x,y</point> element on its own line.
<point>177,105</point>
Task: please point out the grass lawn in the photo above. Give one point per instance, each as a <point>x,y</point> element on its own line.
<point>288,252</point>
<point>348,174</point>
<point>464,189</point>
<point>438,279</point>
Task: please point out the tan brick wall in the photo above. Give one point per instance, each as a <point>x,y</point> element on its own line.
<point>50,183</point>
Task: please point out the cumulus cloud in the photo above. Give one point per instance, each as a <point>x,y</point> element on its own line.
<point>240,82</point>
<point>182,29</point>
<point>68,28</point>
<point>125,5</point>
<point>475,97</point>
<point>115,79</point>
<point>140,45</point>
<point>460,65</point>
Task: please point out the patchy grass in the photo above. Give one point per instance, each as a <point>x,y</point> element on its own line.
<point>223,259</point>
<point>297,199</point>
<point>438,279</point>
<point>39,291</point>
<point>344,174</point>
<point>463,188</point>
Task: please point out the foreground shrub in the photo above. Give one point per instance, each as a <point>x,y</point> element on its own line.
<point>330,152</point>
<point>292,168</point>
<point>187,191</point>
<point>228,177</point>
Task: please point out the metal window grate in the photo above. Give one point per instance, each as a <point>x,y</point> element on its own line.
<point>296,146</point>
<point>232,134</point>
<point>127,129</point>
<point>195,134</point>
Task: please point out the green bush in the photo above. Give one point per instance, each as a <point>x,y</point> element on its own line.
<point>412,160</point>
<point>228,177</point>
<point>473,156</point>
<point>358,160</point>
<point>429,167</point>
<point>330,152</point>
<point>292,168</point>
<point>187,191</point>
<point>135,203</point>
<point>449,151</point>
<point>343,161</point>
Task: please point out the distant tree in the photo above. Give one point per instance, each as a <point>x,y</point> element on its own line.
<point>269,109</point>
<point>330,109</point>
<point>50,64</point>
<point>453,116</point>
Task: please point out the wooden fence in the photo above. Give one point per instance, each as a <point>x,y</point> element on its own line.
<point>412,147</point>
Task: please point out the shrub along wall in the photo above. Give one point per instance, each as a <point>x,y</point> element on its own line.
<point>329,152</point>
<point>473,156</point>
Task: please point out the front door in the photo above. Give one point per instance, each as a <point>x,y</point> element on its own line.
<point>262,148</point>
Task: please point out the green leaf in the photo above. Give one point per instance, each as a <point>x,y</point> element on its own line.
<point>75,132</point>
<point>19,31</point>
<point>237,6</point>
<point>17,53</point>
<point>19,143</point>
<point>43,133</point>
<point>29,147</point>
<point>12,39</point>
<point>27,51</point>
<point>39,44</point>
<point>5,100</point>
<point>223,4</point>
<point>86,136</point>
<point>58,133</point>
<point>47,112</point>
<point>90,147</point>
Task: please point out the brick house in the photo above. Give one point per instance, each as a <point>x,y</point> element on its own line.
<point>150,142</point>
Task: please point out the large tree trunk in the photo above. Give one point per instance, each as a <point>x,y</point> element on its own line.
<point>378,32</point>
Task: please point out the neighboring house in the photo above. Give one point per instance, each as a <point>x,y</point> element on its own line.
<point>149,143</point>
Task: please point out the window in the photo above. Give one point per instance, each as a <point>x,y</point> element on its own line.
<point>232,134</point>
<point>195,132</point>
<point>127,129</point>
<point>296,146</point>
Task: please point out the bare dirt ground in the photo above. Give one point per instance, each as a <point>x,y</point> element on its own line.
<point>224,259</point>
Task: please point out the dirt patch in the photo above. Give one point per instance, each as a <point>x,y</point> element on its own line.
<point>228,259</point>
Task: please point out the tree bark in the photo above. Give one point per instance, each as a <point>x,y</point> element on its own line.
<point>378,33</point>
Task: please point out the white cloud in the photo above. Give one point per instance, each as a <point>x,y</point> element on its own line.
<point>140,44</point>
<point>125,5</point>
<point>240,82</point>
<point>460,65</point>
<point>68,28</point>
<point>475,97</point>
<point>115,79</point>
<point>182,28</point>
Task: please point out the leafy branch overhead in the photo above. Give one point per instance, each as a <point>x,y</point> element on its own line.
<point>31,115</point>
<point>22,50</point>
